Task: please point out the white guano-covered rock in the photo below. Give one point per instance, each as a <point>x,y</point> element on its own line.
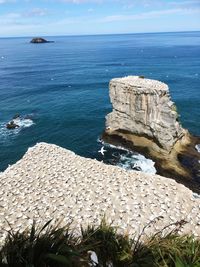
<point>50,182</point>
<point>144,107</point>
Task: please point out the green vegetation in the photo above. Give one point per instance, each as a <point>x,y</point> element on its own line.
<point>59,247</point>
<point>174,108</point>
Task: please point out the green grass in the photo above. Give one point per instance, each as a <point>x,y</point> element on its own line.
<point>55,246</point>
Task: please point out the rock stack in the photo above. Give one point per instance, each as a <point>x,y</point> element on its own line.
<point>145,119</point>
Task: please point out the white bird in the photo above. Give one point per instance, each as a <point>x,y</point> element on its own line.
<point>93,258</point>
<point>102,150</point>
<point>136,166</point>
<point>198,147</point>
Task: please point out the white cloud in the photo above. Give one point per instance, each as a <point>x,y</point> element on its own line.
<point>185,3</point>
<point>6,1</point>
<point>21,18</point>
<point>35,21</point>
<point>151,14</point>
<point>10,18</point>
<point>90,10</point>
<point>124,3</point>
<point>36,12</point>
<point>80,1</point>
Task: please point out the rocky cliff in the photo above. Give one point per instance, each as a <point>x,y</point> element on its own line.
<point>51,182</point>
<point>146,119</point>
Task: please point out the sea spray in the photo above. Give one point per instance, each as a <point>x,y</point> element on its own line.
<point>198,147</point>
<point>21,122</point>
<point>129,160</point>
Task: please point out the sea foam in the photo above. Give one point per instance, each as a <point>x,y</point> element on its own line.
<point>198,147</point>
<point>21,122</point>
<point>137,162</point>
<point>127,159</point>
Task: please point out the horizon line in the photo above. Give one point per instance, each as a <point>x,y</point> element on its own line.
<point>96,34</point>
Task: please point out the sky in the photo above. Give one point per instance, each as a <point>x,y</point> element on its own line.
<point>80,17</point>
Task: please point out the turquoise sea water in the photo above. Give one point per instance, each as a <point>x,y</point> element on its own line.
<point>63,86</point>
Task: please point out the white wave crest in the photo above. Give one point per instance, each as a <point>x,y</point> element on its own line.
<point>112,146</point>
<point>128,159</point>
<point>5,133</point>
<point>198,147</point>
<point>23,123</point>
<point>137,162</point>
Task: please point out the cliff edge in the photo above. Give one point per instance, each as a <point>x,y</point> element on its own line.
<point>145,119</point>
<point>51,182</point>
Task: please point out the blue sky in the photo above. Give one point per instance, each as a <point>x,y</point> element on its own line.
<point>74,17</point>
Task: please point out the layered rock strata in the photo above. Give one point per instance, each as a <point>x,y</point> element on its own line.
<point>145,119</point>
<point>50,182</point>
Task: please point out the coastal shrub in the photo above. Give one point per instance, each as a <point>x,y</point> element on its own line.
<point>175,251</point>
<point>48,246</point>
<point>55,246</point>
<point>172,250</point>
<point>109,246</point>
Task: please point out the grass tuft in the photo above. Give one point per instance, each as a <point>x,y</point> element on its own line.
<point>100,246</point>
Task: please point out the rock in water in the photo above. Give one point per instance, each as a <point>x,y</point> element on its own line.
<point>12,125</point>
<point>40,40</point>
<point>145,119</point>
<point>16,116</point>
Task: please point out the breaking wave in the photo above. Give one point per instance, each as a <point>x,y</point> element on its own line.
<point>122,157</point>
<point>137,162</point>
<point>198,147</point>
<point>21,122</point>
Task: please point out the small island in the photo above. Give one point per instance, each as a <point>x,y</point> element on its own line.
<point>39,40</point>
<point>13,124</point>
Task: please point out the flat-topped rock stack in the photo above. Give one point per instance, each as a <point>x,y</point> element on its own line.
<point>50,182</point>
<point>143,107</point>
<point>145,119</point>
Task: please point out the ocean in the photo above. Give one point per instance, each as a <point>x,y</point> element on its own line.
<point>61,91</point>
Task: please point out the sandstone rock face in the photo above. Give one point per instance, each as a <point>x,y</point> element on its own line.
<point>144,119</point>
<point>144,107</point>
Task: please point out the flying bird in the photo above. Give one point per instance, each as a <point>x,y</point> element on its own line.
<point>102,150</point>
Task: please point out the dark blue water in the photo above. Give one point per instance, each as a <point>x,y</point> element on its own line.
<point>64,85</point>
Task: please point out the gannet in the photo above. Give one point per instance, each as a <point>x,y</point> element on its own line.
<point>102,150</point>
<point>93,258</point>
